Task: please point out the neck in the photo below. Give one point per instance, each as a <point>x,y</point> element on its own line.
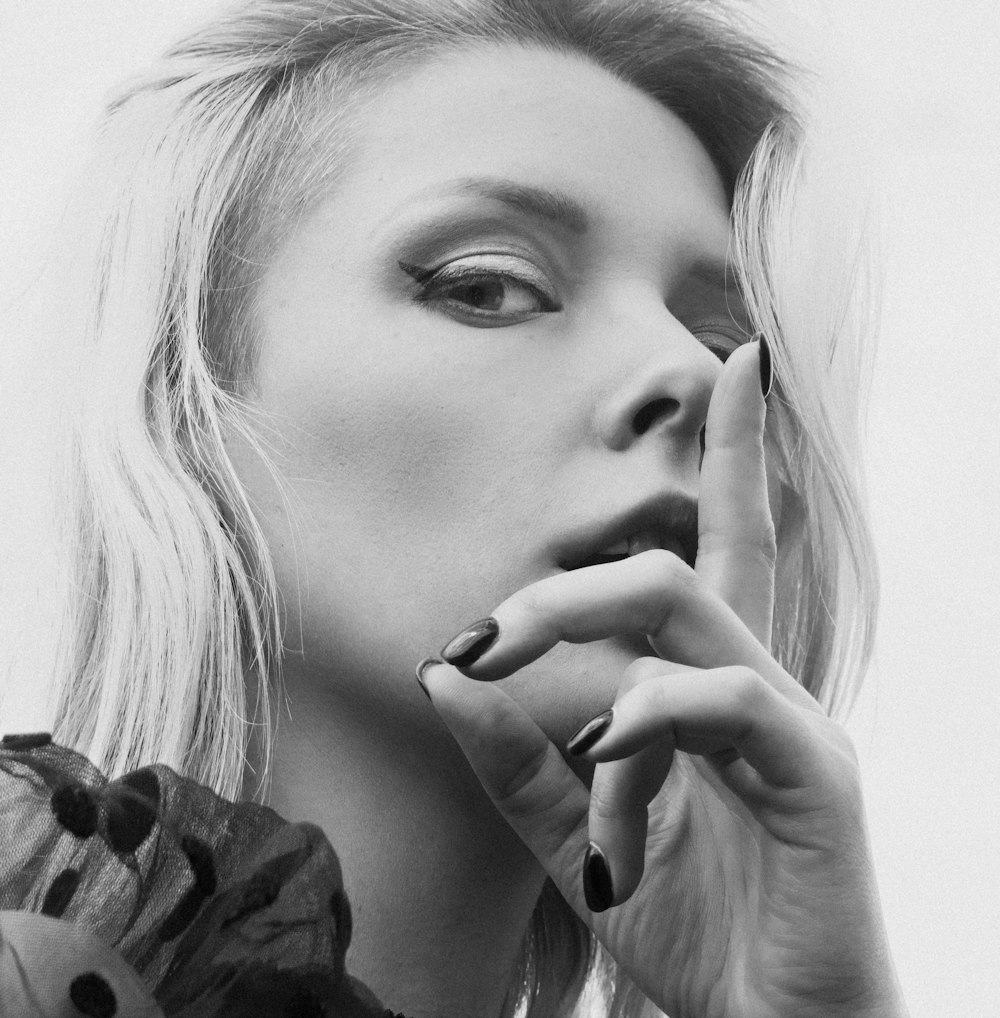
<point>441,889</point>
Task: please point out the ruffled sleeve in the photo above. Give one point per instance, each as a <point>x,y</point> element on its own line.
<point>151,895</point>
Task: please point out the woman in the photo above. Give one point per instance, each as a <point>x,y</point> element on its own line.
<point>400,315</point>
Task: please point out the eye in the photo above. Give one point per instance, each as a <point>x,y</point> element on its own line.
<point>485,291</point>
<point>722,338</point>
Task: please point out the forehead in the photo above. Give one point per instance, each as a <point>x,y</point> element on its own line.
<point>542,119</point>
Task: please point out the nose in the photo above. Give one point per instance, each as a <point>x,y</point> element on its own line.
<point>666,390</point>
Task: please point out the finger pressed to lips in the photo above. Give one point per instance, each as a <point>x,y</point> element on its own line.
<point>717,614</point>
<point>728,697</point>
<point>736,538</point>
<point>653,593</point>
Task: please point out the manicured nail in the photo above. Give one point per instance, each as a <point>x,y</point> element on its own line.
<point>766,370</point>
<point>590,733</point>
<point>471,643</point>
<point>597,888</point>
<point>421,668</point>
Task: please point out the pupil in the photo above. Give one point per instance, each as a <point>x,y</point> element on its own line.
<point>487,296</point>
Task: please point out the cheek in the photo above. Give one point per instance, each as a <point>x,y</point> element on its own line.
<point>390,453</point>
<point>401,507</point>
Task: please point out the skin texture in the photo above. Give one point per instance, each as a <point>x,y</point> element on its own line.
<point>435,466</point>
<point>726,803</point>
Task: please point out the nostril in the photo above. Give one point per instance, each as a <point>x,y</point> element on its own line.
<point>652,412</point>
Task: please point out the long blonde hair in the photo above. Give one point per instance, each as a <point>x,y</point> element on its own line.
<point>170,601</point>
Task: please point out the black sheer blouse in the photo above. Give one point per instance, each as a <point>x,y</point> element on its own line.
<point>152,896</point>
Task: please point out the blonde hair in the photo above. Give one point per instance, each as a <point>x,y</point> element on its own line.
<point>171,600</point>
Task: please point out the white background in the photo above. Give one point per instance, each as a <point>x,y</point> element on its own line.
<point>916,93</point>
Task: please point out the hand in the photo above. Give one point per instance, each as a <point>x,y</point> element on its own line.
<point>720,854</point>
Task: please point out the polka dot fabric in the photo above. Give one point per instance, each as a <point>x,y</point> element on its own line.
<point>151,896</point>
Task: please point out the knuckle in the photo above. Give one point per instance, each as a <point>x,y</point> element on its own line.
<point>842,771</point>
<point>609,806</point>
<point>674,569</point>
<point>843,745</point>
<point>766,547</point>
<point>749,690</point>
<point>660,566</point>
<point>532,794</point>
<point>528,602</point>
<point>669,580</point>
<point>516,791</point>
<point>641,669</point>
<point>761,550</point>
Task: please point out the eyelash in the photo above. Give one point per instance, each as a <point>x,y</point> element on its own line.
<point>732,333</point>
<point>435,283</point>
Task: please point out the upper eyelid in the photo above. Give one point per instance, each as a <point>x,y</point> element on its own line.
<point>729,326</point>
<point>471,256</point>
<point>513,266</point>
<point>715,338</point>
<point>706,312</point>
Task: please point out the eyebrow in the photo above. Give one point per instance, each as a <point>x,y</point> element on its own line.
<point>538,202</point>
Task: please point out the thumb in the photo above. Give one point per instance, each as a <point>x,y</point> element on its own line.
<point>521,770</point>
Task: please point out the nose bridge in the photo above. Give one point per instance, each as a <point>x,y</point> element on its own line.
<point>665,377</point>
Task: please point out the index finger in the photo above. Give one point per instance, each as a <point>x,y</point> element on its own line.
<point>736,542</point>
<point>653,593</point>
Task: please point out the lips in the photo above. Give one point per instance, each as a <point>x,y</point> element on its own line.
<point>668,522</point>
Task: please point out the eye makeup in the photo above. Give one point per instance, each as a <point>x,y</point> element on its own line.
<point>710,307</point>
<point>484,290</point>
<point>487,263</point>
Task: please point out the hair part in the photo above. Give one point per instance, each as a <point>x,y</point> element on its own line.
<point>205,165</point>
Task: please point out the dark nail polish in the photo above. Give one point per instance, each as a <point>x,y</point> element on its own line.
<point>597,888</point>
<point>421,668</point>
<point>471,643</point>
<point>766,370</point>
<point>589,733</point>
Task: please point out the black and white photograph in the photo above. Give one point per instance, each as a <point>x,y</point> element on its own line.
<point>500,509</point>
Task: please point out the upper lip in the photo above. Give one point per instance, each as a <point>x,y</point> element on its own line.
<point>670,516</point>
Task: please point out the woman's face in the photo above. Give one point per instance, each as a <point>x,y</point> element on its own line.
<point>487,357</point>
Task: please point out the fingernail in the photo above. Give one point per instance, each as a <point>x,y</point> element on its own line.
<point>766,370</point>
<point>590,733</point>
<point>421,668</point>
<point>597,889</point>
<point>471,643</point>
